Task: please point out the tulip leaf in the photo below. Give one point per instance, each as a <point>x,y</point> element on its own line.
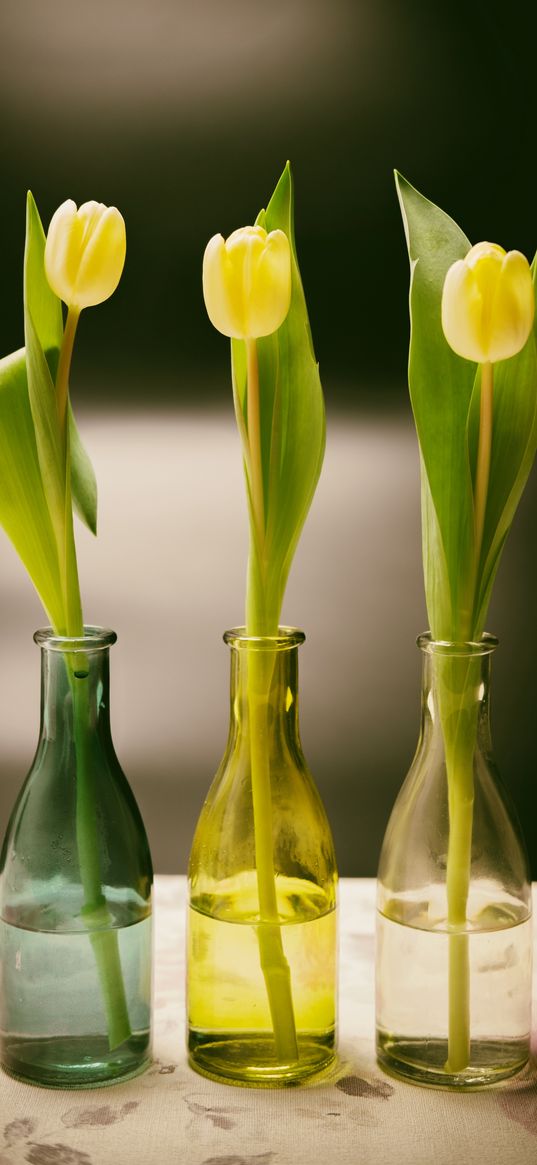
<point>24,512</point>
<point>42,399</point>
<point>43,314</point>
<point>514,445</point>
<point>83,483</point>
<point>41,470</point>
<point>441,386</point>
<point>43,331</point>
<point>44,306</point>
<point>292,431</point>
<point>445,395</point>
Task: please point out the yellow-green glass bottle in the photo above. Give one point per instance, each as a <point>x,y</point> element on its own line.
<point>262,979</point>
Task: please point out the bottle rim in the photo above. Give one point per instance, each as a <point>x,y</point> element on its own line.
<point>287,638</point>
<point>459,648</point>
<point>93,639</point>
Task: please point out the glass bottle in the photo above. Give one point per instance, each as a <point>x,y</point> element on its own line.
<point>75,890</point>
<point>262,933</point>
<point>454,900</point>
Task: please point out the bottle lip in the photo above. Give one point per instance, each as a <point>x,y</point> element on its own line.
<point>286,638</point>
<point>93,639</point>
<point>485,646</point>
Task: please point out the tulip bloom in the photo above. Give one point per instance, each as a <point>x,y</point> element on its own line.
<point>247,282</point>
<point>488,304</point>
<point>85,253</point>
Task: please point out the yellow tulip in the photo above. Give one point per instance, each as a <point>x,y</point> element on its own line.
<point>85,253</point>
<point>488,304</point>
<point>247,282</point>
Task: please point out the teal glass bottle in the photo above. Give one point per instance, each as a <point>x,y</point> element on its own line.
<point>75,890</point>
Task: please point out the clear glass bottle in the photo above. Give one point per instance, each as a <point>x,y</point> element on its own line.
<point>262,933</point>
<point>75,890</point>
<point>454,900</point>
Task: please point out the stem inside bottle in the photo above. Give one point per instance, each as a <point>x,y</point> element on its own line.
<point>273,962</point>
<point>453,894</point>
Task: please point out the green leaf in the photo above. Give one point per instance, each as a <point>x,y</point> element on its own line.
<point>441,387</point>
<point>292,430</point>
<point>43,313</point>
<point>42,397</point>
<point>43,305</point>
<point>83,483</point>
<point>445,394</point>
<point>24,512</point>
<point>514,443</point>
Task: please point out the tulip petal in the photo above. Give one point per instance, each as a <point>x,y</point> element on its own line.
<point>462,312</point>
<point>487,304</point>
<point>513,308</point>
<point>102,257</point>
<point>247,282</point>
<point>85,252</point>
<point>59,250</point>
<point>273,271</point>
<point>216,278</point>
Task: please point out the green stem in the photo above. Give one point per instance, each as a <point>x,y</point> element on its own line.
<point>274,964</point>
<point>483,457</point>
<point>459,729</point>
<point>64,366</point>
<point>461,801</point>
<point>481,485</point>
<point>103,938</point>
<point>66,541</point>
<point>96,914</point>
<point>458,710</point>
<point>254,441</point>
<point>260,667</point>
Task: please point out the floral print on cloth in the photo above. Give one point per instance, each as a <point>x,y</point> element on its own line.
<point>354,1116</point>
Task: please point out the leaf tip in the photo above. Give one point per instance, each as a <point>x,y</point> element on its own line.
<point>31,206</point>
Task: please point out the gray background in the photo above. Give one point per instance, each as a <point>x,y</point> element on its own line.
<point>183,112</point>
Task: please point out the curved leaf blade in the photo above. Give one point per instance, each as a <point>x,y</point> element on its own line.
<point>24,511</point>
<point>514,444</point>
<point>44,306</point>
<point>441,386</point>
<point>44,330</point>
<point>445,392</point>
<point>83,481</point>
<point>292,430</point>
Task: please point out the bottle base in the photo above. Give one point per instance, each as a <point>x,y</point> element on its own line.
<point>422,1061</point>
<point>247,1059</point>
<point>74,1062</point>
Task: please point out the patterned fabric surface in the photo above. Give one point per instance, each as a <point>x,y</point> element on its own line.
<point>358,1117</point>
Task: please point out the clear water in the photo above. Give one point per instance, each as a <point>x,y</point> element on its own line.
<point>412,993</point>
<point>229,1026</point>
<point>53,1027</point>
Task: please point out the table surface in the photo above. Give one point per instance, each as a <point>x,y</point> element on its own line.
<point>358,1117</point>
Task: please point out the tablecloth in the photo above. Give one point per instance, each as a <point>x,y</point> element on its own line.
<point>357,1117</point>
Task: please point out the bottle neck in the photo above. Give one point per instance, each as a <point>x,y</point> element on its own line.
<point>456,693</point>
<point>75,686</point>
<point>266,676</point>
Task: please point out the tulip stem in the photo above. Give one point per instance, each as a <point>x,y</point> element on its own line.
<point>95,911</point>
<point>64,366</point>
<point>65,535</point>
<point>459,729</point>
<point>274,964</point>
<point>254,439</point>
<point>483,459</point>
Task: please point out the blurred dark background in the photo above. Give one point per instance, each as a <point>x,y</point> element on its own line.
<point>183,113</point>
